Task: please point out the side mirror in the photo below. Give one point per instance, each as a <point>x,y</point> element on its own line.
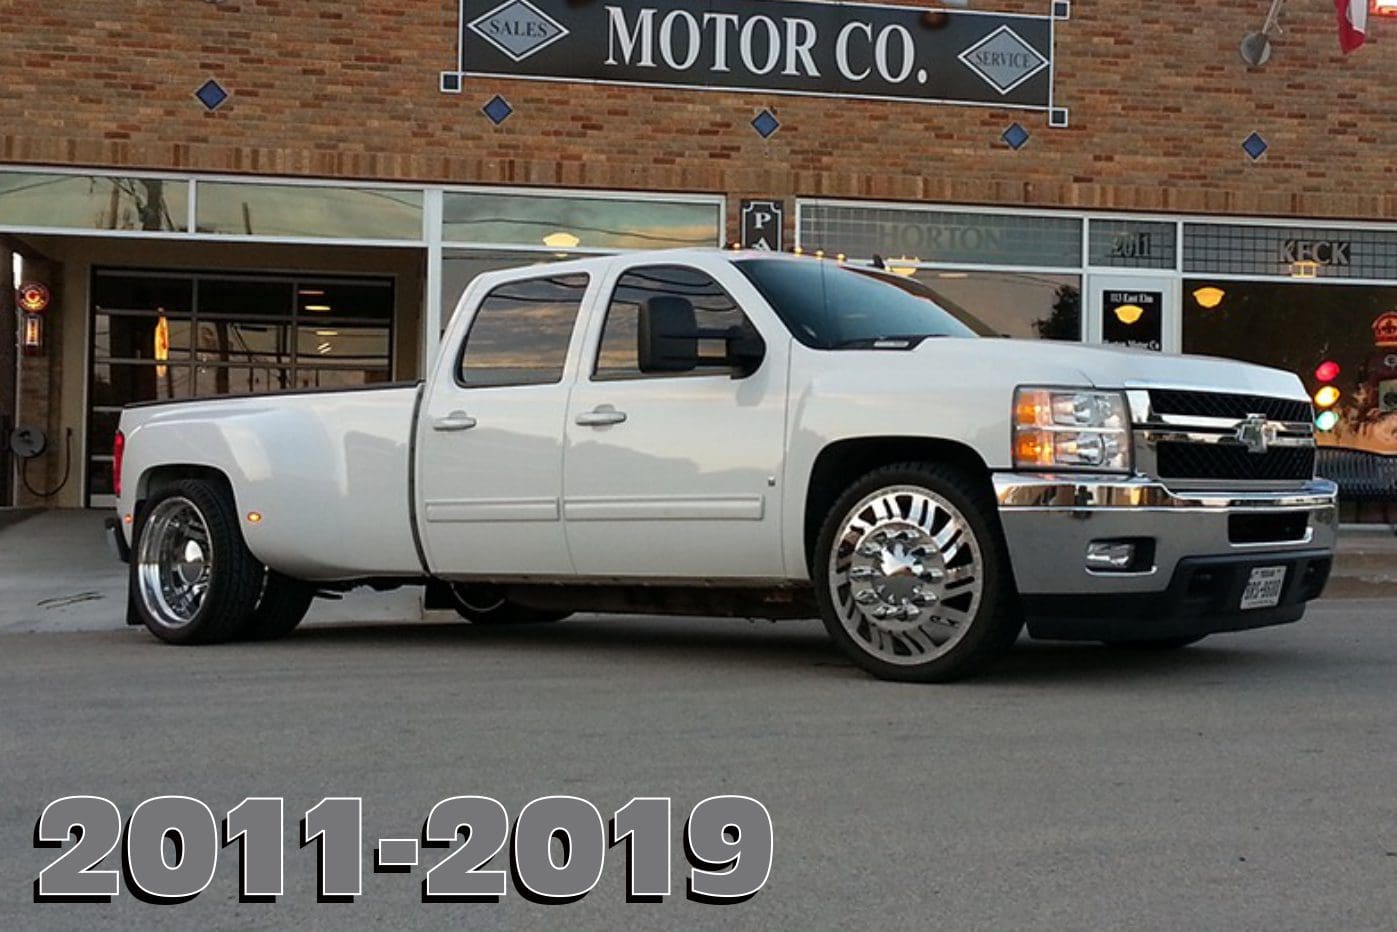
<point>668,340</point>
<point>746,350</point>
<point>668,335</point>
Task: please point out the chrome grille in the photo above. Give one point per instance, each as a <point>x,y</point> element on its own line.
<point>1236,407</point>
<point>1221,438</point>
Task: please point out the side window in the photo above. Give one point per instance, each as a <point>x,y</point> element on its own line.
<point>618,355</point>
<point>521,333</point>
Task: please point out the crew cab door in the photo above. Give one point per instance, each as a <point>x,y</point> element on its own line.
<point>675,474</point>
<point>490,447</point>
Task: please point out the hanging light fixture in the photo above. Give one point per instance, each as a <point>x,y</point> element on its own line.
<point>1209,297</point>
<point>1129,313</point>
<point>561,240</point>
<point>904,266</point>
<point>1256,46</point>
<point>162,346</point>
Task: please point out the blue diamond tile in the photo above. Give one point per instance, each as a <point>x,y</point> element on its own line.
<point>498,110</point>
<point>765,124</point>
<point>1016,136</point>
<point>1255,146</point>
<point>211,94</point>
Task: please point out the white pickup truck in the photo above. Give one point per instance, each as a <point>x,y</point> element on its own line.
<point>701,432</point>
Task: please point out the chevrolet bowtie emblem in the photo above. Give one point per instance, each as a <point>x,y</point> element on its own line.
<point>1256,433</point>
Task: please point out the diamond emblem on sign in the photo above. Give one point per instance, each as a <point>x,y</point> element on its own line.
<point>1003,59</point>
<point>518,28</point>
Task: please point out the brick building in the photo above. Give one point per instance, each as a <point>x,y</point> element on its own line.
<point>254,196</point>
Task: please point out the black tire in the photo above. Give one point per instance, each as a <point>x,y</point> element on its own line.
<point>486,605</point>
<point>1157,643</point>
<point>162,562</point>
<point>989,620</point>
<point>283,606</point>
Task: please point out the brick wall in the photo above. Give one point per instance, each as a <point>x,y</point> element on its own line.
<point>1160,101</point>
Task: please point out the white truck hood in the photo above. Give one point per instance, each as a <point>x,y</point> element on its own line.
<point>1111,367</point>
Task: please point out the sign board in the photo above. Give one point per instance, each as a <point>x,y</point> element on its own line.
<point>763,225</point>
<point>1133,318</point>
<point>1385,329</point>
<point>810,47</point>
<point>1322,252</point>
<point>33,298</point>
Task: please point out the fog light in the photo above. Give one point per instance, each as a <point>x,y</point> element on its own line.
<point>1110,555</point>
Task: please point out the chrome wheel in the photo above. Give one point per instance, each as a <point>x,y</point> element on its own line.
<point>906,575</point>
<point>175,562</point>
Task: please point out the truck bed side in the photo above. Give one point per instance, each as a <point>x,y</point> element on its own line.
<point>328,473</point>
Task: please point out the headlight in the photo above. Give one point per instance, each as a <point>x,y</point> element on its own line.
<point>1068,429</point>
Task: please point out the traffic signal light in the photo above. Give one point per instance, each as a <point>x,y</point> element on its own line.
<point>1327,396</point>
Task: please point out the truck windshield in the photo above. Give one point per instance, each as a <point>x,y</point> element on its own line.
<point>831,306</point>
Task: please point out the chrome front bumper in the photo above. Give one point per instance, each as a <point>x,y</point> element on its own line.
<point>1049,520</point>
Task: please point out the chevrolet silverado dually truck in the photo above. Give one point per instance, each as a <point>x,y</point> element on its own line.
<point>707,432</point>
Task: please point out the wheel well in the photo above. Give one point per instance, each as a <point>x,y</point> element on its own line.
<point>841,463</point>
<point>153,480</point>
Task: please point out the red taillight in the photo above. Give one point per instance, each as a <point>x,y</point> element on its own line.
<point>118,448</point>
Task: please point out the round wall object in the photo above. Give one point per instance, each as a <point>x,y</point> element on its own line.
<point>28,442</point>
<point>1256,49</point>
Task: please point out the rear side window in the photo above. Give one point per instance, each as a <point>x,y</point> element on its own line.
<point>521,333</point>
<point>618,356</point>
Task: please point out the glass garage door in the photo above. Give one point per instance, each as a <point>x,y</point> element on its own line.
<point>159,336</point>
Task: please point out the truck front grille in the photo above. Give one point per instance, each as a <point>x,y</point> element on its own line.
<point>1177,460</point>
<point>1214,437</point>
<point>1236,407</point>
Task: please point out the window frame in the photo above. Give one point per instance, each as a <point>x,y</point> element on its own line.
<point>458,368</point>
<point>639,376</point>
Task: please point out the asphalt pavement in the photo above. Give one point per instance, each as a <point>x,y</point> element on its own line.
<point>1246,783</point>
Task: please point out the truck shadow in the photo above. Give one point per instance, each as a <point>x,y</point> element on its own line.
<point>796,646</point>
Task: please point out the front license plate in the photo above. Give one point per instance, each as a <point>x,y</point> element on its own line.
<point>1264,588</point>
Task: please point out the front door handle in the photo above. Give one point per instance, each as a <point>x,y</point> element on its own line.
<point>604,416</point>
<point>456,420</point>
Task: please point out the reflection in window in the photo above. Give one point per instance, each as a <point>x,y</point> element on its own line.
<point>1297,328</point>
<point>309,211</point>
<point>618,356</point>
<point>565,223</point>
<point>1026,306</point>
<point>521,334</point>
<point>93,202</point>
<point>461,268</point>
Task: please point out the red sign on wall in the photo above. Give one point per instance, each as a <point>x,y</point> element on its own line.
<point>33,298</point>
<point>1385,329</point>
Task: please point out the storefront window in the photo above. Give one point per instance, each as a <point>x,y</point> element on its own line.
<point>93,202</point>
<point>589,223</point>
<point>1299,327</point>
<point>1299,252</point>
<point>309,211</point>
<point>942,236</point>
<point>1133,244</point>
<point>1026,306</point>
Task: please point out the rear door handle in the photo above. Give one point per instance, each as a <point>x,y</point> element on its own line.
<point>456,420</point>
<point>604,416</point>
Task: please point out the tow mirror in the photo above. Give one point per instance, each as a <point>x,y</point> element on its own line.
<point>669,338</point>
